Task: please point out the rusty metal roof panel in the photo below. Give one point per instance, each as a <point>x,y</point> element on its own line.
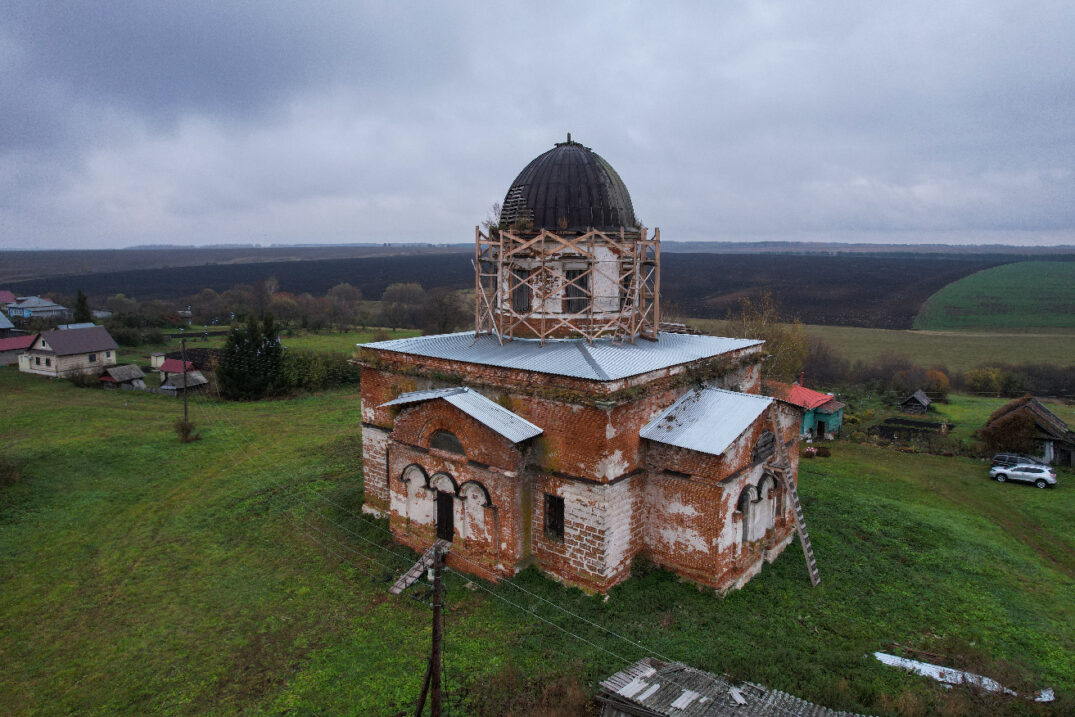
<point>706,420</point>
<point>601,361</point>
<point>489,413</point>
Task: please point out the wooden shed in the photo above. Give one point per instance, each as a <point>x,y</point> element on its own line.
<point>917,402</point>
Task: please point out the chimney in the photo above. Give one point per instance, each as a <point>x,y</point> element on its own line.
<point>802,379</point>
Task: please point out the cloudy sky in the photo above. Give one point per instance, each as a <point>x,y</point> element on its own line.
<point>311,122</point>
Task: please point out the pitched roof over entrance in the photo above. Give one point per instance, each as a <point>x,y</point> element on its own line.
<point>706,420</point>
<point>601,361</point>
<point>489,413</point>
<point>797,395</point>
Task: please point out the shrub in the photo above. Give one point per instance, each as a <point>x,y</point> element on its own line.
<point>185,431</point>
<point>10,471</point>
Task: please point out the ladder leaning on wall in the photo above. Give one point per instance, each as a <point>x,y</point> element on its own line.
<point>782,468</point>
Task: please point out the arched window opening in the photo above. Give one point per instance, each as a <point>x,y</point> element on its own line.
<point>764,448</point>
<point>576,291</point>
<point>743,506</point>
<point>446,441</point>
<point>520,294</point>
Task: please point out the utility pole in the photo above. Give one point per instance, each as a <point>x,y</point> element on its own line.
<point>183,353</point>
<point>431,683</point>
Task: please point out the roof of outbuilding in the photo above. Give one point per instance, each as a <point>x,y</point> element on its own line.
<point>6,297</point>
<point>489,413</point>
<point>601,361</point>
<point>193,380</point>
<point>35,302</point>
<point>122,374</point>
<point>797,395</point>
<point>79,341</point>
<point>5,322</point>
<point>663,689</point>
<point>171,365</point>
<point>919,396</point>
<point>570,187</point>
<point>706,420</point>
<point>14,343</point>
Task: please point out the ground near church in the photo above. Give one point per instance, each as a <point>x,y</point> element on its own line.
<point>138,574</point>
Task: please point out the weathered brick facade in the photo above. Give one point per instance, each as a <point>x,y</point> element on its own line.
<point>622,494</point>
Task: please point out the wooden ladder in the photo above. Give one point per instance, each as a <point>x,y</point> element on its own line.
<point>424,563</point>
<point>783,472</point>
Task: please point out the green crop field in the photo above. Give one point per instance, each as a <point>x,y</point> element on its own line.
<point>236,573</point>
<point>957,350</point>
<point>1027,294</point>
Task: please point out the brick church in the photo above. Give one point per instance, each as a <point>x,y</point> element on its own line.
<point>571,429</point>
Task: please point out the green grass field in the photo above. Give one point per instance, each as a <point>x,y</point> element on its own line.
<point>958,350</point>
<point>235,573</point>
<point>343,342</point>
<point>1026,294</point>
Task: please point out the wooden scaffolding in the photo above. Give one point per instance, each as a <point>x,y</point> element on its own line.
<point>523,286</point>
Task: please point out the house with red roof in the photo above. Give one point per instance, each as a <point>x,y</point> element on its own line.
<point>12,347</point>
<point>823,415</point>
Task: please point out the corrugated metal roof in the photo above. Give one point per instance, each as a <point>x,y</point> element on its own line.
<point>510,425</point>
<point>798,395</point>
<point>706,420</point>
<point>601,361</point>
<point>5,322</point>
<point>672,688</point>
<point>14,343</point>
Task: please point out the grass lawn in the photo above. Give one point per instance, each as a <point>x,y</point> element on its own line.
<point>1023,294</point>
<point>958,350</point>
<point>236,574</point>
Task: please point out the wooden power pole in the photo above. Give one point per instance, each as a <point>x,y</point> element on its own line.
<point>183,353</point>
<point>431,683</point>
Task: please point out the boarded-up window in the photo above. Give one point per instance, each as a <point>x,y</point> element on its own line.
<point>520,295</point>
<point>446,441</point>
<point>764,448</point>
<point>554,517</point>
<point>577,291</point>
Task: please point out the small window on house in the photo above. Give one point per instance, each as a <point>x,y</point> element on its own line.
<point>554,517</point>
<point>576,291</point>
<point>446,441</point>
<point>48,362</point>
<point>108,354</point>
<point>764,448</point>
<point>93,357</point>
<point>37,360</point>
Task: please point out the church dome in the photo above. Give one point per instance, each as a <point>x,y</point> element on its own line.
<point>568,188</point>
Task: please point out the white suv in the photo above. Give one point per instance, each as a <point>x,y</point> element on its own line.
<point>1039,475</point>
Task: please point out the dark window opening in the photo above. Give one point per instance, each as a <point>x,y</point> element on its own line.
<point>37,360</point>
<point>93,357</point>
<point>520,295</point>
<point>554,517</point>
<point>577,294</point>
<point>446,441</point>
<point>627,299</point>
<point>445,516</point>
<point>764,448</point>
<point>48,362</point>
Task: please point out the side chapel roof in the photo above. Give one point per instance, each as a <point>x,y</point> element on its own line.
<point>489,413</point>
<point>706,420</point>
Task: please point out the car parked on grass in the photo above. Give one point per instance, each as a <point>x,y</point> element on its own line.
<point>1014,459</point>
<point>1039,475</point>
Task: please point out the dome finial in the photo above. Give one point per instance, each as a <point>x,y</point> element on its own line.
<point>569,138</point>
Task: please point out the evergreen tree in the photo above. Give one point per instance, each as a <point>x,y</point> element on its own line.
<point>82,309</point>
<point>252,360</point>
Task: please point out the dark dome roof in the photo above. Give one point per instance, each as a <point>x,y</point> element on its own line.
<point>569,187</point>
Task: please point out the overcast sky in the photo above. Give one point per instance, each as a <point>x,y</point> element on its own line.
<point>267,122</point>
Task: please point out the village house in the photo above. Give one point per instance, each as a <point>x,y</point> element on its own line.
<point>823,415</point>
<point>14,346</point>
<point>568,430</point>
<point>1053,439</point>
<point>27,308</point>
<point>65,353</point>
<point>6,327</point>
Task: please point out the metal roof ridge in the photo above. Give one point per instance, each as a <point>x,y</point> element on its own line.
<point>585,350</point>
